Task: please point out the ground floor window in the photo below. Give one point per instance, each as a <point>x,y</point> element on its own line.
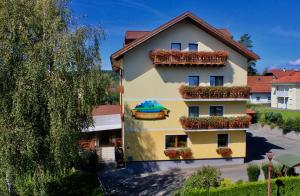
<point>176,141</point>
<point>223,140</point>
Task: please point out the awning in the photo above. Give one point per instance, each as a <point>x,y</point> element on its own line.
<point>105,122</point>
<point>289,160</point>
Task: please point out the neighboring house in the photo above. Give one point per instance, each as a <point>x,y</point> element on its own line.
<point>286,92</point>
<point>260,89</point>
<point>279,73</point>
<point>106,131</point>
<point>181,82</point>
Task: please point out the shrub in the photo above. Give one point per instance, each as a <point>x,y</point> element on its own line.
<point>290,188</point>
<point>291,125</point>
<point>253,172</point>
<point>204,178</point>
<point>273,118</point>
<point>88,160</point>
<point>226,182</point>
<point>276,170</point>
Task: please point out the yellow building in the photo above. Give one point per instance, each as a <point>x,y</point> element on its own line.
<point>183,95</point>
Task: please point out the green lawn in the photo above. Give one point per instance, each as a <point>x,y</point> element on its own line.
<point>285,113</point>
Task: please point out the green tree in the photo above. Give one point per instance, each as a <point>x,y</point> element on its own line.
<point>49,81</point>
<point>246,41</point>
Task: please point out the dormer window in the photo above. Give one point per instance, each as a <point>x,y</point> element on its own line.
<point>193,47</point>
<point>175,46</point>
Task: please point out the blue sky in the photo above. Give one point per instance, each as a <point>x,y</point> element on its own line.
<point>272,24</point>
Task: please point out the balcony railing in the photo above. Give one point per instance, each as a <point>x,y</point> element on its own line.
<point>214,92</point>
<point>282,94</point>
<point>199,58</point>
<point>215,122</point>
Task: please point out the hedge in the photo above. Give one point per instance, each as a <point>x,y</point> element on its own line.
<point>291,187</point>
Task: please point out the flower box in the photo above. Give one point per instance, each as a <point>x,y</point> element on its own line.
<point>175,57</point>
<point>224,151</point>
<point>215,122</point>
<point>173,153</point>
<point>214,92</point>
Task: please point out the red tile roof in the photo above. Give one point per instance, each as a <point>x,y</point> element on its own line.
<point>278,73</point>
<point>225,32</point>
<point>260,84</point>
<point>196,21</point>
<point>106,110</point>
<point>292,78</point>
<point>130,36</point>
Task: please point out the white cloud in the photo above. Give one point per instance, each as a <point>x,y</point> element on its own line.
<point>295,62</point>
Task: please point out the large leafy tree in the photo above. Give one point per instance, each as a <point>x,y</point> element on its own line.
<point>49,81</point>
<point>246,41</point>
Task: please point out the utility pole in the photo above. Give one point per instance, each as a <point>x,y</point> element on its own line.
<point>270,156</point>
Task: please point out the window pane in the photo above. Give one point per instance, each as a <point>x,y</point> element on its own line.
<point>193,111</point>
<point>175,46</point>
<point>216,80</point>
<point>222,140</point>
<point>176,141</point>
<point>193,80</point>
<point>216,111</point>
<point>170,141</point>
<point>193,47</point>
<point>182,141</point>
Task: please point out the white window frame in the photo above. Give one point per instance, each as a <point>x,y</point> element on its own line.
<point>216,106</point>
<point>229,140</point>
<point>187,139</point>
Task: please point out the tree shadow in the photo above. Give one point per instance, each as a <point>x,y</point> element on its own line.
<point>257,147</point>
<point>163,183</point>
<point>139,145</point>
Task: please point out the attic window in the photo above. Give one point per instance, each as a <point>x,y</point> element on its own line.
<point>175,46</point>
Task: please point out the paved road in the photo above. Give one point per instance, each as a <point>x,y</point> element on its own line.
<point>259,142</point>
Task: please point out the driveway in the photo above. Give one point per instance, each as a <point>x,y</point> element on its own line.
<point>260,140</point>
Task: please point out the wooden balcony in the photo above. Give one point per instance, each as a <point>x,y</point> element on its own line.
<point>192,58</point>
<point>215,122</point>
<point>214,92</point>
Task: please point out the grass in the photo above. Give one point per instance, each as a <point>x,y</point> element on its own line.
<point>285,113</point>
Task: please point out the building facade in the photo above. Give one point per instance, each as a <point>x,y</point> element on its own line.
<point>260,89</point>
<point>183,93</point>
<point>286,92</point>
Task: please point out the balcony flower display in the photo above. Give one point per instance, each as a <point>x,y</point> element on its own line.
<point>186,153</point>
<point>175,57</point>
<point>172,153</point>
<point>214,92</point>
<point>215,122</point>
<point>150,110</point>
<point>224,151</point>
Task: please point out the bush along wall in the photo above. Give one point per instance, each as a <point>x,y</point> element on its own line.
<point>285,186</point>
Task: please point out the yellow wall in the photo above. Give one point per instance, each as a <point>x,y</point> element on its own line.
<point>177,110</point>
<point>143,80</point>
<point>150,145</point>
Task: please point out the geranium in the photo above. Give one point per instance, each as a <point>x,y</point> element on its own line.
<point>224,151</point>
